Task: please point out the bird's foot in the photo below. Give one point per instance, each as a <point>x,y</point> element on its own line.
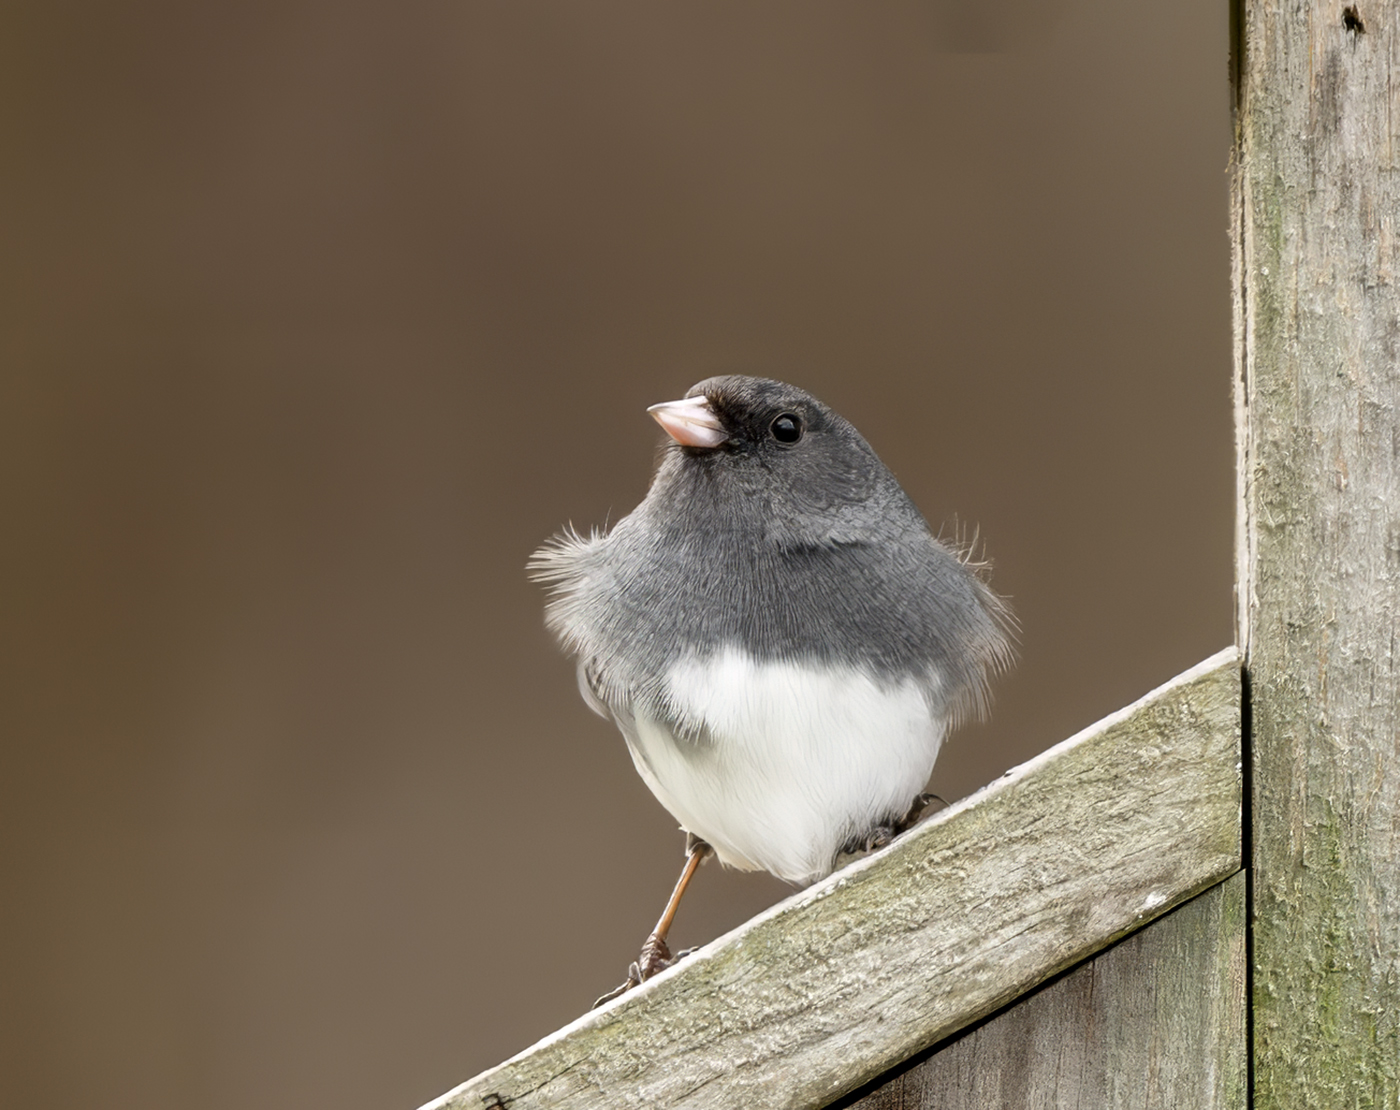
<point>916,812</point>
<point>877,837</point>
<point>656,956</point>
<point>881,835</point>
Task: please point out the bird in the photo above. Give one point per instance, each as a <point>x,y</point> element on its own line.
<point>778,635</point>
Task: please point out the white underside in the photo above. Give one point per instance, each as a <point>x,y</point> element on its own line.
<point>796,759</point>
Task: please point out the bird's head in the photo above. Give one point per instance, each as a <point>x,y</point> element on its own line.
<point>741,423</point>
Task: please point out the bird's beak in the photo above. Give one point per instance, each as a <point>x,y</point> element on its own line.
<point>691,423</point>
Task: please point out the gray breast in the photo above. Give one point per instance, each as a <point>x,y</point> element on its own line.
<point>897,604</point>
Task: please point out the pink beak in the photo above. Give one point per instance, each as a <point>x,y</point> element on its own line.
<point>691,423</point>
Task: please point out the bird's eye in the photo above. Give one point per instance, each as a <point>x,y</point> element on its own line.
<point>786,428</point>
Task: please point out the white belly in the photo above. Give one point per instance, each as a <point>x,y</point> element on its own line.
<point>798,758</point>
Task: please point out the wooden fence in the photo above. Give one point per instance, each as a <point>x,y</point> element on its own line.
<point>1196,902</point>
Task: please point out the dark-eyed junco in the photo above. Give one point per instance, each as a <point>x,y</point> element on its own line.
<point>782,642</point>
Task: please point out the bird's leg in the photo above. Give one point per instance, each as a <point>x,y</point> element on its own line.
<point>655,953</point>
<point>656,956</point>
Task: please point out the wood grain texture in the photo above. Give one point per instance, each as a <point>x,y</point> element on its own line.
<point>837,984</point>
<point>1318,349</point>
<point>1156,1022</point>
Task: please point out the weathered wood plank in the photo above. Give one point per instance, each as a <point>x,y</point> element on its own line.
<point>839,983</point>
<point>1156,1022</point>
<point>1318,349</point>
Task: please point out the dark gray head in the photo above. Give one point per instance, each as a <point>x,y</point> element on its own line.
<point>765,456</point>
<point>738,423</point>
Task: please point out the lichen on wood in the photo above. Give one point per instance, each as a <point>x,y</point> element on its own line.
<point>1317,309</point>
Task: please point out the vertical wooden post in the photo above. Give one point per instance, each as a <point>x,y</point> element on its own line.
<point>1317,201</point>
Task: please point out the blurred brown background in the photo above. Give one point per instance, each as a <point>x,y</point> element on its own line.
<point>318,317</point>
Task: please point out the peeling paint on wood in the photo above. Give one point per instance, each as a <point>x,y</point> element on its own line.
<point>835,985</point>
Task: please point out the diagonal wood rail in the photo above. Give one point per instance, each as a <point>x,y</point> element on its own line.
<point>1154,1022</point>
<point>827,990</point>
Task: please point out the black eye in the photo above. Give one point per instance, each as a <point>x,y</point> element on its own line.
<point>786,428</point>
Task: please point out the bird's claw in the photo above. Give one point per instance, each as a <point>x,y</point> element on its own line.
<point>883,835</point>
<point>656,956</point>
<point>634,979</point>
<point>916,812</point>
<point>879,837</point>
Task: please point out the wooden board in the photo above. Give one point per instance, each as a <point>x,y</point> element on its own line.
<point>837,984</point>
<point>1156,1022</point>
<point>1318,347</point>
